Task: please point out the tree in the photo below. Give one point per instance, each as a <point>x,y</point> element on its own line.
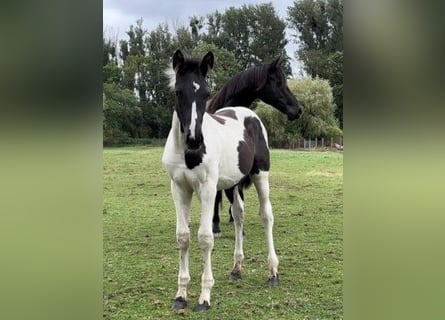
<point>159,43</point>
<point>196,24</point>
<point>255,34</point>
<point>335,71</point>
<point>122,116</point>
<point>184,39</point>
<point>320,37</point>
<point>110,68</point>
<point>317,120</point>
<point>109,51</point>
<point>136,86</point>
<point>226,65</point>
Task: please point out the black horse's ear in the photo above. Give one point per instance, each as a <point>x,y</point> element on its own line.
<point>178,59</point>
<point>207,63</point>
<point>275,64</point>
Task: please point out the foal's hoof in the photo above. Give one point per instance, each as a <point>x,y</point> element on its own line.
<point>179,303</point>
<point>202,307</point>
<point>235,275</point>
<point>274,281</point>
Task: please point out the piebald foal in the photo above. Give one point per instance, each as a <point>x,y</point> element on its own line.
<point>209,152</point>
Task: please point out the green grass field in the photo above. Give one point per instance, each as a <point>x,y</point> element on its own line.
<point>141,255</point>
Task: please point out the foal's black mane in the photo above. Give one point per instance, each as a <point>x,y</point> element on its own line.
<point>190,65</point>
<point>236,91</point>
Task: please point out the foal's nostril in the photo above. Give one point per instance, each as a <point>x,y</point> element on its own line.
<point>193,144</point>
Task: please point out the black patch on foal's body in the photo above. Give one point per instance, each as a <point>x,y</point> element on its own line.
<point>227,113</point>
<point>253,153</point>
<point>219,119</point>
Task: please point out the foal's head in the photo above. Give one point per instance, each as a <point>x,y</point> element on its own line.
<point>274,91</point>
<point>192,92</point>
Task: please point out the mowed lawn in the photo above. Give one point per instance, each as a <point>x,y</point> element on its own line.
<point>141,255</point>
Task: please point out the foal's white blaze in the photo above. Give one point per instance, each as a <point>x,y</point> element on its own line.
<point>196,85</point>
<point>194,114</point>
<point>193,120</point>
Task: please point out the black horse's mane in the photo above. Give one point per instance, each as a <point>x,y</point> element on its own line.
<point>250,79</point>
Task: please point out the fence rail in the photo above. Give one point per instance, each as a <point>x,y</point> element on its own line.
<point>333,143</point>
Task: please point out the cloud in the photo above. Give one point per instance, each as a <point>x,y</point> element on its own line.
<point>122,14</point>
<point>118,15</point>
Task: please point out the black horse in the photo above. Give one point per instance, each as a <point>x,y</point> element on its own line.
<point>266,82</point>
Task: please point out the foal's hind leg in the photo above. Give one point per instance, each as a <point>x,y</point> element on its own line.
<point>238,216</point>
<point>261,182</point>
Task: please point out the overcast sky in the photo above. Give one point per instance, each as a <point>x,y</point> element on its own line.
<point>118,15</point>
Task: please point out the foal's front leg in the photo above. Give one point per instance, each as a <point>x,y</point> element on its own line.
<point>183,200</point>
<point>261,182</point>
<point>207,195</point>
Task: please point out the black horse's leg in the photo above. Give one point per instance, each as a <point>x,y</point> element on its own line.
<point>218,199</point>
<point>229,195</point>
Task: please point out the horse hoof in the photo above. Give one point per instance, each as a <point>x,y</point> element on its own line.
<point>216,229</point>
<point>202,307</point>
<point>179,303</point>
<point>274,281</point>
<point>235,275</point>
<point>217,234</point>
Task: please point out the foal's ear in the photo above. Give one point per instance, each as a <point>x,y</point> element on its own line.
<point>178,59</point>
<point>207,63</point>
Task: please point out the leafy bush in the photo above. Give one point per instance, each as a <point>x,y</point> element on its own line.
<point>122,116</point>
<point>317,120</point>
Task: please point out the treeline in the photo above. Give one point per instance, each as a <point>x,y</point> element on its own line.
<point>137,102</point>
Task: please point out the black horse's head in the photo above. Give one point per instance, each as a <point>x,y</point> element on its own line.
<point>274,91</point>
<point>192,93</point>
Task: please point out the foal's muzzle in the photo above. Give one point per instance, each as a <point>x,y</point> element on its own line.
<point>194,143</point>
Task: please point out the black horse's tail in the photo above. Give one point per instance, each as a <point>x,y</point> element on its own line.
<point>245,183</point>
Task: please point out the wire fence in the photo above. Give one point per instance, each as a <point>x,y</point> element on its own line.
<point>333,143</point>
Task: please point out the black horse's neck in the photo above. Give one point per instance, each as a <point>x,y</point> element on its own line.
<point>244,99</point>
<point>241,90</point>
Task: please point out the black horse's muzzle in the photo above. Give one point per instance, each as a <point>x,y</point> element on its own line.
<point>293,115</point>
